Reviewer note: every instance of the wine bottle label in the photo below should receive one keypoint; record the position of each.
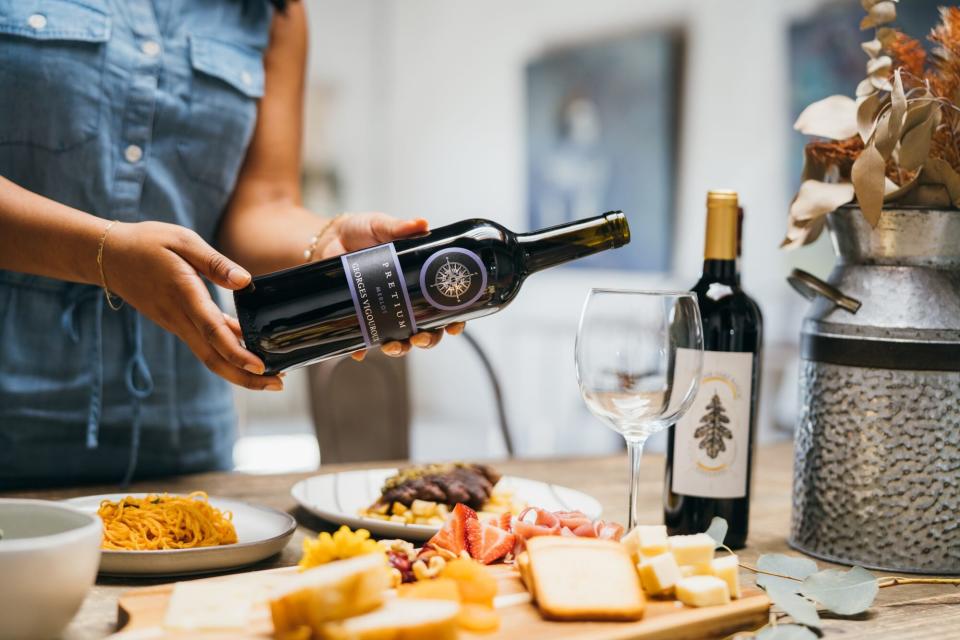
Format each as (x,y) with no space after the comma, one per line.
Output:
(711,441)
(452,279)
(380,295)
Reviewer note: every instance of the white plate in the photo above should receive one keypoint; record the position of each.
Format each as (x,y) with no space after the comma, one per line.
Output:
(339,497)
(261,532)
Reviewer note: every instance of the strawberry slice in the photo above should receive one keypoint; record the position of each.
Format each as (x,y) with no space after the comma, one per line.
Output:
(475,538)
(453,535)
(505,521)
(488,543)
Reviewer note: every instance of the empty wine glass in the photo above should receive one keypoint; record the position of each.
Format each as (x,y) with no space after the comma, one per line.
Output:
(639,356)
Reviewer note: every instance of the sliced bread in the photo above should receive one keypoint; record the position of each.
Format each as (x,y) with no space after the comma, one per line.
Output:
(584,579)
(399,619)
(330,592)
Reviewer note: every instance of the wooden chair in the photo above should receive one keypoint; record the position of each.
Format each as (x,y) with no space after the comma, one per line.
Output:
(361,411)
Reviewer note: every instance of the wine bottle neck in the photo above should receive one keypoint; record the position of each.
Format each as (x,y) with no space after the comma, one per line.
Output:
(722,271)
(566,242)
(721,248)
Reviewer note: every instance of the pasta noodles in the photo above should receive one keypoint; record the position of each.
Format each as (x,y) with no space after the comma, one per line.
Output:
(165,522)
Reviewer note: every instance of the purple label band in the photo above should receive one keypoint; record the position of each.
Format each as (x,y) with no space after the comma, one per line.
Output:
(374,275)
(348,272)
(406,294)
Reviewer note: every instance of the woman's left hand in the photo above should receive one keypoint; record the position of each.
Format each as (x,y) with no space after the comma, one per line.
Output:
(361,230)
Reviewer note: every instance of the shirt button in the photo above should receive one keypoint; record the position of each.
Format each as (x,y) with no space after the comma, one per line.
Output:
(151,48)
(246,78)
(133,153)
(37,21)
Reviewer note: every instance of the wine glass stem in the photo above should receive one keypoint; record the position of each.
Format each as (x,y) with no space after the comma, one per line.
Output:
(634,451)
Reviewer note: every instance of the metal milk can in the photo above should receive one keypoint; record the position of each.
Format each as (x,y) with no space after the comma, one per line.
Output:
(877,451)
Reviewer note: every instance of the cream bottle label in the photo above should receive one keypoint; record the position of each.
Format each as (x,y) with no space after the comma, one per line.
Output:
(712,440)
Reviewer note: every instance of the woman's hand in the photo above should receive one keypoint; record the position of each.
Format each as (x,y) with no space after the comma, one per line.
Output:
(362,230)
(157,268)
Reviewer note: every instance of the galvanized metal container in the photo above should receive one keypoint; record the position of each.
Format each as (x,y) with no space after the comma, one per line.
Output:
(877,452)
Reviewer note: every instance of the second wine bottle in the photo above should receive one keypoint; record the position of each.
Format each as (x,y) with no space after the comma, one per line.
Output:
(710,450)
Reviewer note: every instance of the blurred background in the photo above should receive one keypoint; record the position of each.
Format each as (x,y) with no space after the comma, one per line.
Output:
(532,113)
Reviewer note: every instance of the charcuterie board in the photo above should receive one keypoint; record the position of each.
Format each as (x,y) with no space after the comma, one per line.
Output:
(142,613)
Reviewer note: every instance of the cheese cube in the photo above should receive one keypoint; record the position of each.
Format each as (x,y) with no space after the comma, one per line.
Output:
(702,591)
(695,549)
(646,540)
(727,568)
(659,574)
(705,569)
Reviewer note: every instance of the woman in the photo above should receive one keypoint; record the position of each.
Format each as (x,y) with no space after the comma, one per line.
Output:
(135,136)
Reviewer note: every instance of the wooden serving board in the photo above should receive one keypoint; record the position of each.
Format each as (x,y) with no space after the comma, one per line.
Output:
(142,612)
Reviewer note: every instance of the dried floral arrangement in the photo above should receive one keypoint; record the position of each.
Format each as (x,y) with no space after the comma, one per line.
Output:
(897,141)
(797,587)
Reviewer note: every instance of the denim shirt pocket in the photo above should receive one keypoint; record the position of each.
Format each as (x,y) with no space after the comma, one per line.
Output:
(51,70)
(227,81)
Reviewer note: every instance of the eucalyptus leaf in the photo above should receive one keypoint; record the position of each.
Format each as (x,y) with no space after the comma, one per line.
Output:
(872,47)
(917,112)
(867,108)
(865,88)
(879,65)
(886,35)
(868,175)
(815,198)
(786,632)
(880,13)
(718,530)
(898,104)
(791,566)
(879,80)
(939,171)
(834,117)
(885,136)
(893,192)
(915,145)
(844,592)
(794,605)
(802,232)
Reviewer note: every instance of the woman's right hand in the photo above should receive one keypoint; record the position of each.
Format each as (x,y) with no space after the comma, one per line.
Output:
(157,268)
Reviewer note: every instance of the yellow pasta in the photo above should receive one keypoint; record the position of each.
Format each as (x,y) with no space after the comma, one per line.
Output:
(165,522)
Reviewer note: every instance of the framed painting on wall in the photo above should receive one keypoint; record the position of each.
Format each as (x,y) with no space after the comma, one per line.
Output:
(601,136)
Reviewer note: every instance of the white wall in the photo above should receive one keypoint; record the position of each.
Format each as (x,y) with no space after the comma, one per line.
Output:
(429,121)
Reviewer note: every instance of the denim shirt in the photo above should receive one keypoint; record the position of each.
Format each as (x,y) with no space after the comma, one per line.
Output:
(129,110)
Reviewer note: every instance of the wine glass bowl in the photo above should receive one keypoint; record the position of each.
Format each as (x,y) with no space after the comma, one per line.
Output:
(639,356)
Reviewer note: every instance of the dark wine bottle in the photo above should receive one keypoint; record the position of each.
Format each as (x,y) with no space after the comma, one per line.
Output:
(710,450)
(454,273)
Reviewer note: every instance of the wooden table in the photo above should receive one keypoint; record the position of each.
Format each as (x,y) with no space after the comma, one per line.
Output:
(902,612)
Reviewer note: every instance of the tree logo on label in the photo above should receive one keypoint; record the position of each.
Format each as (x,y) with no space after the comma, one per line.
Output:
(453,279)
(712,430)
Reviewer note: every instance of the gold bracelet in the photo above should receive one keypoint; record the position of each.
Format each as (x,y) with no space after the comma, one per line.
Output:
(315,240)
(103,277)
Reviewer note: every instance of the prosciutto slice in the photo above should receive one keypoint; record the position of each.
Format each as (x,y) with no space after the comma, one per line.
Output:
(572,520)
(533,522)
(608,530)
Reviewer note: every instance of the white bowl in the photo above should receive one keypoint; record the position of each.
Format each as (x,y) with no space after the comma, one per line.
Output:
(49,556)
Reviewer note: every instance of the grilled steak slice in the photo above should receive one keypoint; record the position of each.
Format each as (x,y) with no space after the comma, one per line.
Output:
(448,484)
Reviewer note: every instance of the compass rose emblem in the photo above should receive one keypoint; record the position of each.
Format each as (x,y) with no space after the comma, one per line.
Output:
(453,279)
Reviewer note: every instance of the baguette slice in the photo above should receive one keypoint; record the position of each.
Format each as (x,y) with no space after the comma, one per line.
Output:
(523,566)
(330,592)
(399,619)
(584,579)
